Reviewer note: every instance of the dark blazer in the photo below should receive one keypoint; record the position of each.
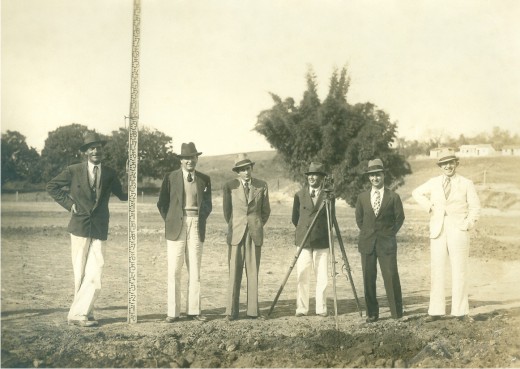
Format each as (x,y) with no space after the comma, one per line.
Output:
(381,229)
(72,187)
(242,214)
(303,213)
(171,202)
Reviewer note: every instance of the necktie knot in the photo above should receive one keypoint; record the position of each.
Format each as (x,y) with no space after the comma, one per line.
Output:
(190,178)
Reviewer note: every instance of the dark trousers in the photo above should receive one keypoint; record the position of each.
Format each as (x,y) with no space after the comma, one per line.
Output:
(388,265)
(245,253)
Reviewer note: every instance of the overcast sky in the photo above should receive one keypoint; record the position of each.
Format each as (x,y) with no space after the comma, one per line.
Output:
(207,67)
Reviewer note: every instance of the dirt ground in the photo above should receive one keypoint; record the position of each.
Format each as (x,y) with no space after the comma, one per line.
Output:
(37,290)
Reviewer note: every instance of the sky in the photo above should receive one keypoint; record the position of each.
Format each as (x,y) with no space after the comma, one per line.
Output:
(437,67)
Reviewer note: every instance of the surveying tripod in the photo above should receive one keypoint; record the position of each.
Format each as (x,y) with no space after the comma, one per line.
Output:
(332,225)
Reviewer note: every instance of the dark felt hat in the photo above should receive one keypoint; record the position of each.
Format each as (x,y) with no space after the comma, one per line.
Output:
(188,149)
(90,139)
(241,161)
(317,168)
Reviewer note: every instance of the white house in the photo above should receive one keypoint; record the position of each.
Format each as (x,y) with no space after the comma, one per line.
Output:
(511,150)
(477,150)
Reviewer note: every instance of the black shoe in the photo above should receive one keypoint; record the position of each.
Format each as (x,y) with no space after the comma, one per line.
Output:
(259,317)
(465,319)
(171,319)
(372,319)
(432,318)
(200,318)
(231,318)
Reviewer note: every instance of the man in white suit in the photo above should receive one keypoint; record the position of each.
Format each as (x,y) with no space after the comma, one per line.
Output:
(454,208)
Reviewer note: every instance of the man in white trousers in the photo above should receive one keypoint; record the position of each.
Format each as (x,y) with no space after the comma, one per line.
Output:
(185,204)
(84,189)
(454,208)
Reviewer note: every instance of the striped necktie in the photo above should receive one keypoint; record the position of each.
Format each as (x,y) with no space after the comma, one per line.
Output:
(447,186)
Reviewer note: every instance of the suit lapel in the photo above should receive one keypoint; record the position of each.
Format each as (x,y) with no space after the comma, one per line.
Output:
(85,183)
(200,189)
(178,183)
(253,191)
(385,202)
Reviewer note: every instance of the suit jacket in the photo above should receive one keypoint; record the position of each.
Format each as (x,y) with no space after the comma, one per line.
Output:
(304,212)
(171,202)
(243,214)
(72,186)
(462,206)
(380,230)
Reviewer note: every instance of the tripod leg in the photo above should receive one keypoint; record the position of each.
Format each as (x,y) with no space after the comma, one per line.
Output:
(346,264)
(298,252)
(333,261)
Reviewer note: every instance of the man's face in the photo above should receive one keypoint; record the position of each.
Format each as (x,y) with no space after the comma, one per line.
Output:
(315,180)
(95,153)
(377,179)
(449,168)
(189,163)
(244,173)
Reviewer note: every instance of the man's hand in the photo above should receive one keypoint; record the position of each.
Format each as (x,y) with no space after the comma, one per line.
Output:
(73,209)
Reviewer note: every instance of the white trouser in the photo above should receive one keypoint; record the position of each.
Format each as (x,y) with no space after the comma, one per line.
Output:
(187,247)
(87,264)
(452,243)
(308,260)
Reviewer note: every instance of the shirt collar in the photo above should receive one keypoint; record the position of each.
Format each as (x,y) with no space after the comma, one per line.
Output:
(185,174)
(92,165)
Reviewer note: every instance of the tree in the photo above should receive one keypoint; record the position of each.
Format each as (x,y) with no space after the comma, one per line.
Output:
(19,161)
(155,153)
(342,136)
(62,149)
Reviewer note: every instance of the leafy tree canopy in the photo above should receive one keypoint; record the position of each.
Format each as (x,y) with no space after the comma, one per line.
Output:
(342,136)
(19,161)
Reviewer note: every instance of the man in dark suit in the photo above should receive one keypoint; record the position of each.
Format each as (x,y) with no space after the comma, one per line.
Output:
(246,210)
(315,252)
(185,204)
(379,216)
(84,190)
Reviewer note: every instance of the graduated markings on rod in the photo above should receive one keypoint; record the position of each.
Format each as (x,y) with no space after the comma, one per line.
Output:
(132,168)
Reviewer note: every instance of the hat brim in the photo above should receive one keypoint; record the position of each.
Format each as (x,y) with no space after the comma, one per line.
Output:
(189,156)
(84,147)
(322,173)
(375,171)
(235,168)
(447,160)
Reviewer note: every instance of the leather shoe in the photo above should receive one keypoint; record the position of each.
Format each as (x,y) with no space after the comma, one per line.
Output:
(323,315)
(299,315)
(465,319)
(230,318)
(82,322)
(259,317)
(372,319)
(171,319)
(432,318)
(200,318)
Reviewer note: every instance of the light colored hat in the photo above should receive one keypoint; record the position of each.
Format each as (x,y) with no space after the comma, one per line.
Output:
(446,155)
(375,166)
(188,149)
(316,168)
(90,139)
(241,161)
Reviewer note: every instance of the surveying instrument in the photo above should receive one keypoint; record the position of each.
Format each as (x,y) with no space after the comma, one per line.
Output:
(328,206)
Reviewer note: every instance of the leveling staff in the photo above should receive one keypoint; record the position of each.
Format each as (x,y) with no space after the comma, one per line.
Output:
(89,186)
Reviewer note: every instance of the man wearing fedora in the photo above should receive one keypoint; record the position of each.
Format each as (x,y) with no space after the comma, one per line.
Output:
(315,252)
(379,216)
(246,210)
(454,208)
(84,189)
(185,204)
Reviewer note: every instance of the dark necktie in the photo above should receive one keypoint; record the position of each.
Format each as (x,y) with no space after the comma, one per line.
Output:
(190,178)
(313,193)
(94,182)
(447,186)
